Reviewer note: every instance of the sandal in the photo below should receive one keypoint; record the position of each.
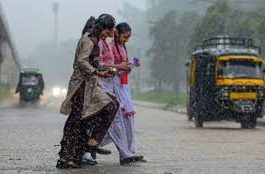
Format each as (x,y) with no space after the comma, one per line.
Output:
(127,160)
(98,150)
(63,164)
(140,159)
(133,159)
(88,162)
(72,165)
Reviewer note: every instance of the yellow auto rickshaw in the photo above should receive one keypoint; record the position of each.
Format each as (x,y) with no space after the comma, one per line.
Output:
(225,80)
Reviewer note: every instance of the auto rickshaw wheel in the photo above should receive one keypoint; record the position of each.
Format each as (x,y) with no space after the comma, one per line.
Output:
(189,113)
(249,123)
(198,122)
(22,103)
(198,117)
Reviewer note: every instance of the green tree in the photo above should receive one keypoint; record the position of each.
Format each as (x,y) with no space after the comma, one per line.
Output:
(168,53)
(161,51)
(223,18)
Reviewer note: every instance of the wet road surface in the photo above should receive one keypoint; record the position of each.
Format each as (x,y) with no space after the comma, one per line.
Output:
(29,140)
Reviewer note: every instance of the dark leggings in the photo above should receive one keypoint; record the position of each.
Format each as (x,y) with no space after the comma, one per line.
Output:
(77,131)
(98,124)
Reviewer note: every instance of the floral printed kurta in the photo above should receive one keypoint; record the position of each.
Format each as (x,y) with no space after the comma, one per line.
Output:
(94,97)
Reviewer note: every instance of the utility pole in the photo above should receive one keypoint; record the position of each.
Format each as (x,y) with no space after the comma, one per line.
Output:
(55,9)
(1,61)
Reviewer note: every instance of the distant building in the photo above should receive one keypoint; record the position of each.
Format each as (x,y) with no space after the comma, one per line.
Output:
(9,63)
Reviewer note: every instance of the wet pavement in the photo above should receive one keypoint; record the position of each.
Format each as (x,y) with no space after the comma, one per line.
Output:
(29,142)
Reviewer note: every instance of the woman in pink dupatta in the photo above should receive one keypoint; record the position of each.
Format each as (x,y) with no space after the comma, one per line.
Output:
(122,88)
(117,132)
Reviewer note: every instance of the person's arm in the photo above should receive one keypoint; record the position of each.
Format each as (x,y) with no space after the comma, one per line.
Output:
(119,66)
(82,61)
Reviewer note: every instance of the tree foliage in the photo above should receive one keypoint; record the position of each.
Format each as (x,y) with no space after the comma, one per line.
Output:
(176,27)
(174,36)
(170,38)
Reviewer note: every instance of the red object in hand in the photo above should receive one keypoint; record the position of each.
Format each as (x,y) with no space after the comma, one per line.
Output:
(124,79)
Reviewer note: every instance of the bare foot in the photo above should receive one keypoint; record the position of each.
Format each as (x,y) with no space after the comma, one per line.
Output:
(92,142)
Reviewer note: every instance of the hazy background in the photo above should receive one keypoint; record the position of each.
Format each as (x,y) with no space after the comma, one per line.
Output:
(32,28)
(164,35)
(32,22)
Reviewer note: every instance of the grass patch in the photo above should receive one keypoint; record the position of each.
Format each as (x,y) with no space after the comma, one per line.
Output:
(167,98)
(4,92)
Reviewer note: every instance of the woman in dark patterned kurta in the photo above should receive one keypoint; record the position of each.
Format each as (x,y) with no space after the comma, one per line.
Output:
(91,111)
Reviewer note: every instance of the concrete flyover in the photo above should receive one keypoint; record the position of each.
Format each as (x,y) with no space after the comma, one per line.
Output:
(9,62)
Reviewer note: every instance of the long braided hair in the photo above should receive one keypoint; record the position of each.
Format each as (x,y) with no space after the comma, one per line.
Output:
(121,28)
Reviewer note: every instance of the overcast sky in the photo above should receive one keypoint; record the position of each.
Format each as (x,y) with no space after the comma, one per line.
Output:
(31,21)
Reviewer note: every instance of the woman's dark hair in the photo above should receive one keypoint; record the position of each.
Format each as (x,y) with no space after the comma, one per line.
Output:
(89,25)
(95,26)
(104,21)
(121,28)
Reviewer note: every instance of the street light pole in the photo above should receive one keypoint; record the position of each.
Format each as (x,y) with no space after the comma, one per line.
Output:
(1,61)
(55,9)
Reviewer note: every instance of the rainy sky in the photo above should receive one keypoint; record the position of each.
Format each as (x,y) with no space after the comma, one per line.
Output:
(31,21)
